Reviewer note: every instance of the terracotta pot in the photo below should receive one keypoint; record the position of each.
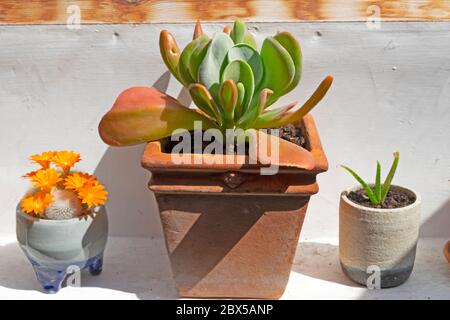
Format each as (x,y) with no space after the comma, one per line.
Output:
(447,251)
(231,232)
(372,239)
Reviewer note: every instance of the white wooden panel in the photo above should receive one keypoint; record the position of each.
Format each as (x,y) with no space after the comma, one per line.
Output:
(391,92)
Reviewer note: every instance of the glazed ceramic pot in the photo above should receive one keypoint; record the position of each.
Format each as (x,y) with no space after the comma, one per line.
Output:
(384,240)
(56,248)
(230,231)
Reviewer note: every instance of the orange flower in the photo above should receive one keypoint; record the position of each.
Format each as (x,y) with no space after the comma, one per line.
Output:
(30,174)
(43,159)
(36,203)
(45,179)
(66,159)
(78,180)
(93,195)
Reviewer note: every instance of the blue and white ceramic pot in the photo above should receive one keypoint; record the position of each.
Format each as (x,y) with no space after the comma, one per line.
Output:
(56,248)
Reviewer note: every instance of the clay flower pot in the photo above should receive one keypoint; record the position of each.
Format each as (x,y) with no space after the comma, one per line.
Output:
(230,231)
(384,240)
(447,251)
(58,247)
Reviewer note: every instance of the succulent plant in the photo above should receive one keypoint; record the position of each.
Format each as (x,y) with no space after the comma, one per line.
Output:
(65,205)
(230,81)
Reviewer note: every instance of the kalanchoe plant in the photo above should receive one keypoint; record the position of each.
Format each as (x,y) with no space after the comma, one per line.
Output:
(229,80)
(378,194)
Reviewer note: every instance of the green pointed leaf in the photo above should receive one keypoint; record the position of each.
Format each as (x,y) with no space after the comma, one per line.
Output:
(292,46)
(266,119)
(252,114)
(238,31)
(210,68)
(279,69)
(390,177)
(378,182)
(203,99)
(240,71)
(184,65)
(366,187)
(246,53)
(143,114)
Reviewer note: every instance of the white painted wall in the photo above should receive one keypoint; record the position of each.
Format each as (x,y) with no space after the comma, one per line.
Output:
(391,92)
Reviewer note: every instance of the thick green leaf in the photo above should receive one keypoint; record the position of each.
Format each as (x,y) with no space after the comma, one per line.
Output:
(240,71)
(238,112)
(250,116)
(390,176)
(170,53)
(210,68)
(378,182)
(301,112)
(196,59)
(274,114)
(279,69)
(246,53)
(198,31)
(292,46)
(143,114)
(238,31)
(249,40)
(228,96)
(366,187)
(203,99)
(185,59)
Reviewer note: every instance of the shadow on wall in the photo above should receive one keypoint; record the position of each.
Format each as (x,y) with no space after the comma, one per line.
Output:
(131,207)
(438,223)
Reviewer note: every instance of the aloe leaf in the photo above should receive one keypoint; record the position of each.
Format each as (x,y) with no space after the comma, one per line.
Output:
(238,31)
(203,99)
(378,182)
(184,65)
(279,69)
(366,187)
(390,176)
(300,113)
(198,31)
(170,53)
(292,46)
(209,70)
(142,114)
(240,71)
(228,96)
(239,105)
(246,53)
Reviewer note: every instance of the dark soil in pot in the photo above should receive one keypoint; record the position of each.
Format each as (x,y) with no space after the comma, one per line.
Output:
(289,133)
(394,199)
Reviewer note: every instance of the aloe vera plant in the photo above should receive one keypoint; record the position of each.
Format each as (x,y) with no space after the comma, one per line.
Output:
(232,84)
(378,194)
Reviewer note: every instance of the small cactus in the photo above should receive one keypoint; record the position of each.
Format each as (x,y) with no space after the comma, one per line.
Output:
(65,205)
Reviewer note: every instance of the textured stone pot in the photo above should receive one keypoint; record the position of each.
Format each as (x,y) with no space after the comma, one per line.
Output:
(231,232)
(384,238)
(58,247)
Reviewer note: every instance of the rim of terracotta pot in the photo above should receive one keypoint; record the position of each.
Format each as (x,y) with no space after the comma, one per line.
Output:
(54,221)
(155,159)
(416,203)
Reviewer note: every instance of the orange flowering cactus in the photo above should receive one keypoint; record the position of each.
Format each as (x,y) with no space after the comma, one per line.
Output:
(58,191)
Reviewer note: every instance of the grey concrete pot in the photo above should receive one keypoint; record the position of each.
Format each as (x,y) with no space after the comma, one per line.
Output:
(378,241)
(58,247)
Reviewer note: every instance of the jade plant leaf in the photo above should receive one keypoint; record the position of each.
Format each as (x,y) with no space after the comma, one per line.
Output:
(249,40)
(209,70)
(184,63)
(250,116)
(238,32)
(276,113)
(196,59)
(203,99)
(279,78)
(228,96)
(239,105)
(142,114)
(170,53)
(292,46)
(198,31)
(246,53)
(240,72)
